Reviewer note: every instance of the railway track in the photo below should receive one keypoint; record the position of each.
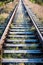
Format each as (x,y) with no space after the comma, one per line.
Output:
(22,46)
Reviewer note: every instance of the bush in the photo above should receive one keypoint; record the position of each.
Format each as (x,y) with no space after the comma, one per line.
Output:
(37,1)
(1,3)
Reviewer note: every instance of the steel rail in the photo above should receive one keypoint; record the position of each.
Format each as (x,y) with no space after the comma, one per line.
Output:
(36,51)
(34,20)
(7,29)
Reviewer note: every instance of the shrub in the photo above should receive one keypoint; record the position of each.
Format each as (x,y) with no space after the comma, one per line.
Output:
(37,1)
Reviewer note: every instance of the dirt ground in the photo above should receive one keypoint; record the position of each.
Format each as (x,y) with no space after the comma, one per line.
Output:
(37,9)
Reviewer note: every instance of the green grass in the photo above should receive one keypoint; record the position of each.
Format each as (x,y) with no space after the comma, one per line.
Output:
(3,2)
(32,28)
(16,55)
(2,19)
(8,1)
(37,1)
(32,1)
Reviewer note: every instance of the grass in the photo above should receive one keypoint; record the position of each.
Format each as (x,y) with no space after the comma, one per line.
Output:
(33,29)
(2,19)
(1,4)
(6,9)
(21,63)
(41,19)
(5,2)
(32,1)
(40,2)
(24,48)
(16,55)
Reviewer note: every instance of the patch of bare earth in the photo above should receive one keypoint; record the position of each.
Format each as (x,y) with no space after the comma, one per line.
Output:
(37,9)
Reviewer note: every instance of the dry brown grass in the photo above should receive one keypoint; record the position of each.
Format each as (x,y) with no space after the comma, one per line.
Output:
(4,15)
(37,9)
(6,10)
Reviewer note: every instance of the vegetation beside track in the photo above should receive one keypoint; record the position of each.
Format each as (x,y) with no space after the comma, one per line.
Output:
(37,1)
(3,2)
(5,11)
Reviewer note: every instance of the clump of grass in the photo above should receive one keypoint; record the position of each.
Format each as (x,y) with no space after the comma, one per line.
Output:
(37,1)
(21,64)
(2,19)
(17,48)
(19,55)
(12,25)
(32,1)
(41,19)
(3,16)
(1,4)
(33,28)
